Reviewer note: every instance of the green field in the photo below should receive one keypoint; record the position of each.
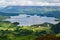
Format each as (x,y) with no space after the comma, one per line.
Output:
(10,31)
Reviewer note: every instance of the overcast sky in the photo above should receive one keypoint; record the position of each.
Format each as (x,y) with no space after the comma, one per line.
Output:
(30,2)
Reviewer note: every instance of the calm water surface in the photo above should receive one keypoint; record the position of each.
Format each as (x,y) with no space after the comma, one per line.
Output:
(27,20)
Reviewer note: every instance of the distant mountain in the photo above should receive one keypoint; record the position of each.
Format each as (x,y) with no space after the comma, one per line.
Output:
(11,9)
(8,14)
(32,10)
(29,9)
(53,14)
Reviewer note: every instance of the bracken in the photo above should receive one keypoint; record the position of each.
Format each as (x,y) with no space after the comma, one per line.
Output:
(48,37)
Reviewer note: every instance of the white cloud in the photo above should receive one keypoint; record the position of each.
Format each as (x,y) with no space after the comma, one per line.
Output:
(27,3)
(51,1)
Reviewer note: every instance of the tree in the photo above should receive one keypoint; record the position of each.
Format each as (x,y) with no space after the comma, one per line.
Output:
(40,33)
(16,23)
(56,28)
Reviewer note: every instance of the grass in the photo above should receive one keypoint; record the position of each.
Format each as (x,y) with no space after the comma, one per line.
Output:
(58,35)
(27,27)
(29,37)
(12,29)
(36,28)
(3,17)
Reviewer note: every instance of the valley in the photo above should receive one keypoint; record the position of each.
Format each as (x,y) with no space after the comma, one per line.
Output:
(29,22)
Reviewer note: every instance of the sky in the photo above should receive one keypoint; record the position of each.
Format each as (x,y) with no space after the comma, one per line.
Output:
(30,2)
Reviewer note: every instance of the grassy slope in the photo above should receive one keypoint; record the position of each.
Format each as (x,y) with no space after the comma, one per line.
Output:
(3,17)
(4,26)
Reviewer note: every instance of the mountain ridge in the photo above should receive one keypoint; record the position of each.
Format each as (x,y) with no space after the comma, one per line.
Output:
(53,11)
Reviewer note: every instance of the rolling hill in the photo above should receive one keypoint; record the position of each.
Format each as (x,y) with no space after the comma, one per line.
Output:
(50,11)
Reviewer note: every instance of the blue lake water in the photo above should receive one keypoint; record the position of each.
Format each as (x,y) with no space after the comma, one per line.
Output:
(27,20)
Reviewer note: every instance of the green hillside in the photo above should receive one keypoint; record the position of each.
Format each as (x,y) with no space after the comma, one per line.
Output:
(10,31)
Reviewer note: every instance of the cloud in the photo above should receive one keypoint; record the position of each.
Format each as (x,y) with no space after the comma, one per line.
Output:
(53,1)
(50,1)
(29,2)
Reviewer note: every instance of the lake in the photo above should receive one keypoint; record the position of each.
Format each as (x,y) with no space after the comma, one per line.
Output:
(27,20)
